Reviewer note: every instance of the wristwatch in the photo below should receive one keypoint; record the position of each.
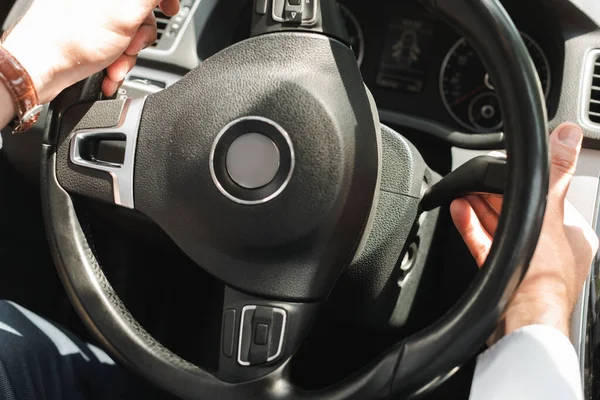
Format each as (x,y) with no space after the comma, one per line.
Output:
(20,85)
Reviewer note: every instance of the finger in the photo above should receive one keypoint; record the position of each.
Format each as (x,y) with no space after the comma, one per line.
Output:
(169,7)
(486,214)
(109,87)
(495,201)
(118,70)
(150,19)
(565,145)
(144,37)
(476,238)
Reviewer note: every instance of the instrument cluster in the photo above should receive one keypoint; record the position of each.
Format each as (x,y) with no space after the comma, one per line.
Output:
(416,64)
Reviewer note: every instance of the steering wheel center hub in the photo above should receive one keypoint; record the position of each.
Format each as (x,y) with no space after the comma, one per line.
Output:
(252,160)
(265,174)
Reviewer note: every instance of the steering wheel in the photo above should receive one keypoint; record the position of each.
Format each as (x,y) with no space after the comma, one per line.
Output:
(265,166)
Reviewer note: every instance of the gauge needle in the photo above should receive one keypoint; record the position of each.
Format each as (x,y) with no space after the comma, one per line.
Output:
(469,95)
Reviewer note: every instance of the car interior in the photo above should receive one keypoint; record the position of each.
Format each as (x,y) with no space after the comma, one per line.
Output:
(234,274)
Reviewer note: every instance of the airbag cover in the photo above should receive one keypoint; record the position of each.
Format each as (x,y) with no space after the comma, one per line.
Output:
(295,245)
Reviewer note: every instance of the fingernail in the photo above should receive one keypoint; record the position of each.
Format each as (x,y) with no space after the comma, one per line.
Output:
(122,74)
(570,135)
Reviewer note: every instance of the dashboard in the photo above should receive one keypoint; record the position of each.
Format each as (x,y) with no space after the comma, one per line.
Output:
(417,65)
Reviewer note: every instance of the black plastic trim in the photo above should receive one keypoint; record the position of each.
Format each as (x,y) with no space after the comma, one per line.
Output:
(483,174)
(472,141)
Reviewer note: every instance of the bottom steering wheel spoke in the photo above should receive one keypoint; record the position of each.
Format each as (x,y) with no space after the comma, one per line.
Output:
(259,335)
(96,150)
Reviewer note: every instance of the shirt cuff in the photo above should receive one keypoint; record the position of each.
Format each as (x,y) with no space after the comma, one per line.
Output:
(534,362)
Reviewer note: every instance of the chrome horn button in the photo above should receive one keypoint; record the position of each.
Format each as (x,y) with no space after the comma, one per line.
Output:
(252,160)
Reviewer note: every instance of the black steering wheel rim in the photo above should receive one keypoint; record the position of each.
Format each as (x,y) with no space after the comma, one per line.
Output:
(413,365)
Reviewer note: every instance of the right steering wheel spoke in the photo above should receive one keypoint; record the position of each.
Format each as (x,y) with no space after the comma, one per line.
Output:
(96,155)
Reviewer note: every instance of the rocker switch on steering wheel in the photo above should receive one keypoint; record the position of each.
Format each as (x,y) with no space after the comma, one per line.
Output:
(262,332)
(302,12)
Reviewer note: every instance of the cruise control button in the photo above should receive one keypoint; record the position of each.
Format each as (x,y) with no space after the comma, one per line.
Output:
(278,7)
(293,16)
(228,332)
(261,7)
(294,10)
(309,14)
(261,334)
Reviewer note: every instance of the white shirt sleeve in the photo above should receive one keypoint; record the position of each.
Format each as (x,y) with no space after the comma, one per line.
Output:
(534,362)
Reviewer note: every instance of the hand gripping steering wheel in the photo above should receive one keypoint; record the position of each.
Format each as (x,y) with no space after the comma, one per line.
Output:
(264,165)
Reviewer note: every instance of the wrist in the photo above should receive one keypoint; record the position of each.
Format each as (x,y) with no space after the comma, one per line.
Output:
(539,310)
(8,105)
(38,65)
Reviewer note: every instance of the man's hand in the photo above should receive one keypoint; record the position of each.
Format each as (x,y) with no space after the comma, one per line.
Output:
(564,252)
(60,42)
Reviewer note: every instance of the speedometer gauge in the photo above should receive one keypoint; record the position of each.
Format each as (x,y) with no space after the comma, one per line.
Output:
(468,92)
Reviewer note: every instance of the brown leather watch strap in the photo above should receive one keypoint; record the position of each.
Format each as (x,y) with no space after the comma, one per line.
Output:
(21,87)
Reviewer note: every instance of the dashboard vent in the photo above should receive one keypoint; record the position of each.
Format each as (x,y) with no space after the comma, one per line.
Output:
(594,110)
(168,27)
(162,22)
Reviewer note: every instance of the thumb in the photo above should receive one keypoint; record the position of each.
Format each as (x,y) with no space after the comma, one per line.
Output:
(565,145)
(169,7)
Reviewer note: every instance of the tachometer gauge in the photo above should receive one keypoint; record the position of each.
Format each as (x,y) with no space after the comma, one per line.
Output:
(468,92)
(355,33)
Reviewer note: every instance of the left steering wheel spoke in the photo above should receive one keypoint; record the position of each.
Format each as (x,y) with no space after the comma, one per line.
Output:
(96,158)
(259,335)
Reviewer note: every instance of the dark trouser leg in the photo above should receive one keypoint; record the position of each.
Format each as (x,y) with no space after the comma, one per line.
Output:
(41,361)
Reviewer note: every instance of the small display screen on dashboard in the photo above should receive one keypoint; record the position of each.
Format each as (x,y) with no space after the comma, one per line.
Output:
(406,54)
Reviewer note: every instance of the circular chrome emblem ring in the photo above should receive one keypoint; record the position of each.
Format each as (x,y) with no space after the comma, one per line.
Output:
(219,160)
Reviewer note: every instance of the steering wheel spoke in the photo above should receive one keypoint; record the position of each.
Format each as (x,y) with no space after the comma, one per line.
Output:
(96,158)
(258,335)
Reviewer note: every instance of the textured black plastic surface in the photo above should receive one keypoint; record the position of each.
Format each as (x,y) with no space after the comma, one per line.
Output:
(295,246)
(87,90)
(368,291)
(403,169)
(76,179)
